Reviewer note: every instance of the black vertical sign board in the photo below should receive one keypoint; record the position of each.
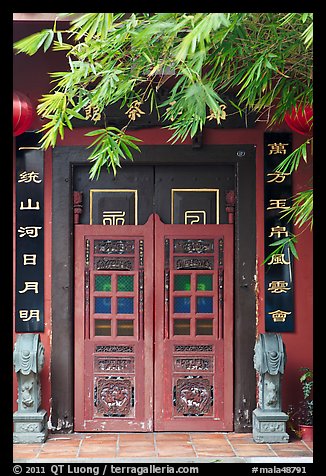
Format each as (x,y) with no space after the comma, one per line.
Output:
(29,235)
(279,292)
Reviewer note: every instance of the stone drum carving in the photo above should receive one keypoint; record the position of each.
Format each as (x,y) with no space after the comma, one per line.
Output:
(269,421)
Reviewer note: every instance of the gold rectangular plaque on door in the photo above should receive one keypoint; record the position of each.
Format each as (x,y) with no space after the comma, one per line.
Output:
(113,207)
(191,206)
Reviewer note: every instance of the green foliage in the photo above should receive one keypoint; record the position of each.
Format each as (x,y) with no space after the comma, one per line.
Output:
(301,211)
(265,58)
(281,246)
(110,145)
(303,413)
(306,380)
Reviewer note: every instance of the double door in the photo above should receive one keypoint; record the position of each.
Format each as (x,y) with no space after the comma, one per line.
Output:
(154,317)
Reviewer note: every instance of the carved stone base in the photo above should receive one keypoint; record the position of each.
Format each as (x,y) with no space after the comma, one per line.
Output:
(269,427)
(30,427)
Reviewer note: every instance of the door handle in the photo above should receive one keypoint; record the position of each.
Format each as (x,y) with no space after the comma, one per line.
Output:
(166,303)
(141,305)
(166,288)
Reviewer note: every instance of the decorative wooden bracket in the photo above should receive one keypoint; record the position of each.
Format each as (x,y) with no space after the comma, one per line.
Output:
(230,199)
(78,206)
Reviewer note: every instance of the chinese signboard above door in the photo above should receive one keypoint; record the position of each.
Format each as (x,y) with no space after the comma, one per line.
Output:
(279,309)
(29,235)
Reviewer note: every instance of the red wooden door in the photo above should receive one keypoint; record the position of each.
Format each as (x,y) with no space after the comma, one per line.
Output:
(193,327)
(130,279)
(114,327)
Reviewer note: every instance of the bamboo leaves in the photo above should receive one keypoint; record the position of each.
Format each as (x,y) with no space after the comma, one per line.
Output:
(266,58)
(33,43)
(110,145)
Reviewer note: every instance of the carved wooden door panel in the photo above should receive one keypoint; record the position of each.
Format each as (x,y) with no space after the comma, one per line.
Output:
(193,327)
(114,327)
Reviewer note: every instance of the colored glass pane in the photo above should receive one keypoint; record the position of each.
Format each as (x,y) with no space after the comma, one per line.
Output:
(125,305)
(181,305)
(182,282)
(181,327)
(125,327)
(102,327)
(204,327)
(204,304)
(125,283)
(102,305)
(204,282)
(102,283)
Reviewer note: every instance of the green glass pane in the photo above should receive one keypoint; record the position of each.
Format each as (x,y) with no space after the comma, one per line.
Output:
(102,283)
(204,282)
(182,282)
(125,283)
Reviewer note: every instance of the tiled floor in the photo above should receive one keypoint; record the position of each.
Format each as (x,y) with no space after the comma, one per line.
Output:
(78,446)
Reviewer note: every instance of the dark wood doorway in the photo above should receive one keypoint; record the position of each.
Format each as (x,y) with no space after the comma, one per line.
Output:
(154,301)
(66,160)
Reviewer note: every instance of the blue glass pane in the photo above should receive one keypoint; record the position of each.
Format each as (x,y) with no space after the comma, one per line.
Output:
(125,305)
(182,304)
(205,304)
(102,305)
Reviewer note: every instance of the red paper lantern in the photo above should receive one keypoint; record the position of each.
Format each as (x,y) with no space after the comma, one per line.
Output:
(22,113)
(300,119)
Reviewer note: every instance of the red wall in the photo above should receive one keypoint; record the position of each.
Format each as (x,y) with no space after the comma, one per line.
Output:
(31,78)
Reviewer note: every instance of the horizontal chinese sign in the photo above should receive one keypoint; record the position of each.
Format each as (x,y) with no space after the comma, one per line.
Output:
(279,308)
(29,236)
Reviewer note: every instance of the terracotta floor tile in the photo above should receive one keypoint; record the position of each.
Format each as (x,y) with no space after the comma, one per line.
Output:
(207,437)
(100,436)
(253,450)
(65,436)
(58,449)
(175,450)
(136,436)
(27,446)
(98,448)
(57,455)
(172,438)
(136,443)
(213,449)
(244,439)
(216,452)
(310,444)
(22,454)
(100,453)
(62,443)
(290,453)
(148,445)
(86,454)
(286,446)
(169,444)
(129,452)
